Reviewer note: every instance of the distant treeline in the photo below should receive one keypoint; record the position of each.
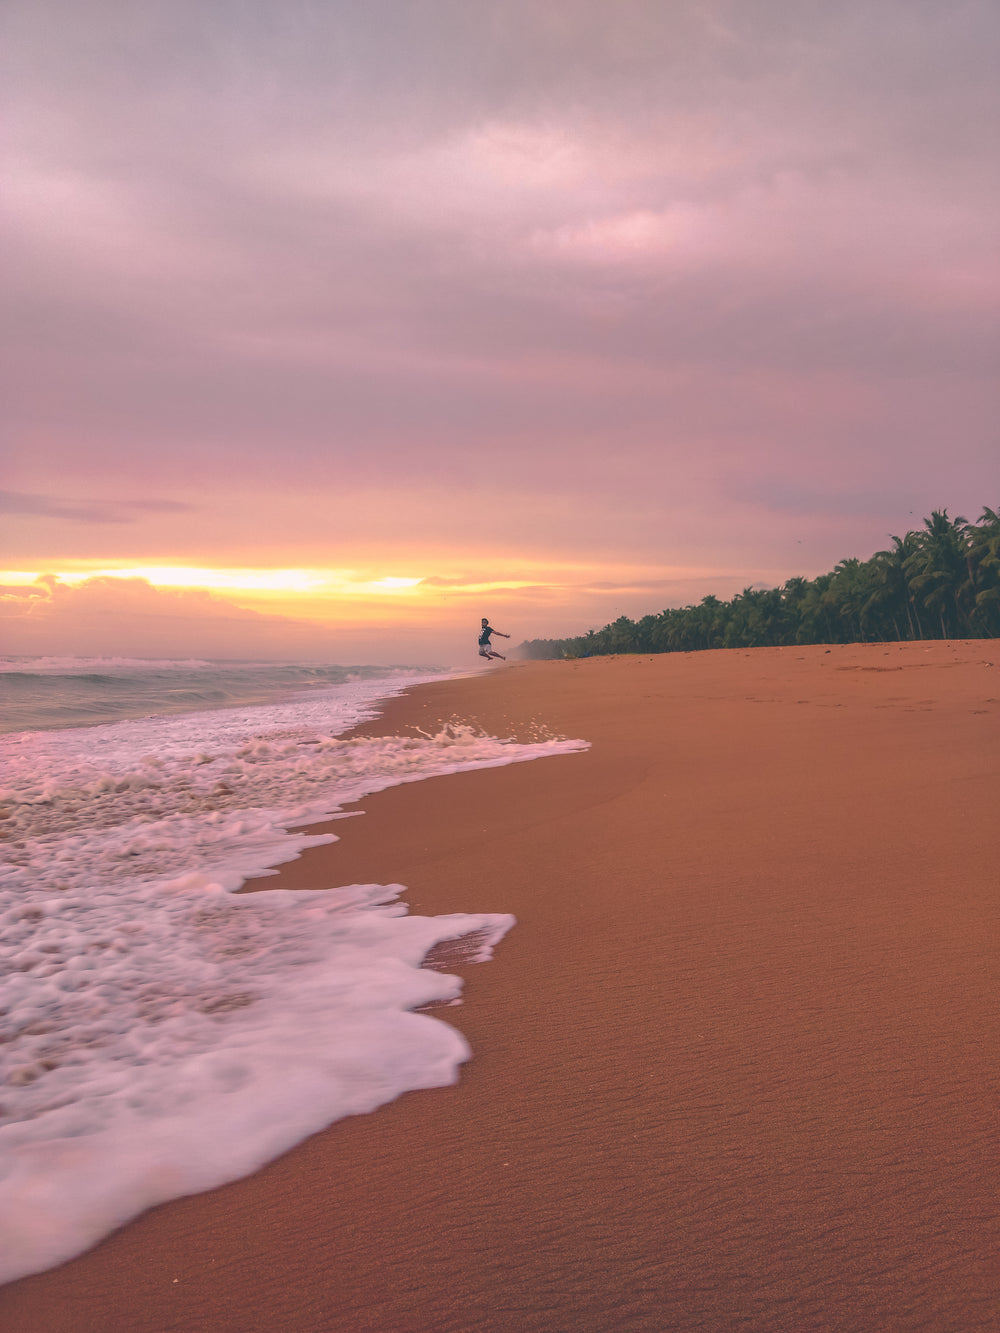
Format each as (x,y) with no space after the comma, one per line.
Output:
(941,582)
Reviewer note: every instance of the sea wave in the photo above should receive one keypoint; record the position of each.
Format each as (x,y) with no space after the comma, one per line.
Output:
(45,693)
(159,1034)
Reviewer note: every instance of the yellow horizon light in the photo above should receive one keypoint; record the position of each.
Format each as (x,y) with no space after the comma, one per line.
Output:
(339,582)
(221,580)
(17,578)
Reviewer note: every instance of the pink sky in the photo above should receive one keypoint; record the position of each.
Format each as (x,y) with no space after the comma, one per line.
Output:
(553,312)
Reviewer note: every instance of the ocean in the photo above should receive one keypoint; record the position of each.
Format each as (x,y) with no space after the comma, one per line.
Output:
(160,1034)
(49,692)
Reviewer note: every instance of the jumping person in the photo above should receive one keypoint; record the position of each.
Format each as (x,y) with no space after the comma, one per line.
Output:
(485,650)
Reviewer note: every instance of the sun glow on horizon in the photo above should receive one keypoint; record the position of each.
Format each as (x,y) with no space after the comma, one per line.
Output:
(322,587)
(425,593)
(321,596)
(338,582)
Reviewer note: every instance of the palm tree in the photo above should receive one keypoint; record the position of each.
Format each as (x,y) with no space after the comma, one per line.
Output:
(938,568)
(848,595)
(893,589)
(983,552)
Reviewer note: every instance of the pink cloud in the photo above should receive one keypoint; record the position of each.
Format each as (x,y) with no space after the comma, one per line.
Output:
(680,285)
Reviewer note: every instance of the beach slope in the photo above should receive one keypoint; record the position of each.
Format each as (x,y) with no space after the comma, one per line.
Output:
(736,1067)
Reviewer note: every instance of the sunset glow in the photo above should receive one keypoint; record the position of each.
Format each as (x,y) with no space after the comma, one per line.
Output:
(586,316)
(344,582)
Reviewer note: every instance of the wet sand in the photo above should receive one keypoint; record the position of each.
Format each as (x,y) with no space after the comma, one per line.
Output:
(736,1068)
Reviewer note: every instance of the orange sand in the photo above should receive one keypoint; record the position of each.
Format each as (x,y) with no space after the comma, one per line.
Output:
(736,1068)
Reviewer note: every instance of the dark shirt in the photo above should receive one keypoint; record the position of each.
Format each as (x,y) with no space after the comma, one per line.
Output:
(484,638)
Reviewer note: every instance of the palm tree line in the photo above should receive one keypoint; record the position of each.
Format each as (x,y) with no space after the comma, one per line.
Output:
(939,582)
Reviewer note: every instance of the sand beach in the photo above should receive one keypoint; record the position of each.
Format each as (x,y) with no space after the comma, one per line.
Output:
(737,1067)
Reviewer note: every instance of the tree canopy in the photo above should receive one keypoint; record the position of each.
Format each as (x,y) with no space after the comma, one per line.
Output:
(939,582)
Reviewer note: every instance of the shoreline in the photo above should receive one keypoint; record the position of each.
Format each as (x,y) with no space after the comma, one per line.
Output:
(734,1066)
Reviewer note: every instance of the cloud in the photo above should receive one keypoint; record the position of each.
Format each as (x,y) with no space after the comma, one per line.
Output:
(118,511)
(505,282)
(20,590)
(130,616)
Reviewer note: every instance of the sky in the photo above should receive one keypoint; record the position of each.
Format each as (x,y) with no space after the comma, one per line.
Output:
(331,326)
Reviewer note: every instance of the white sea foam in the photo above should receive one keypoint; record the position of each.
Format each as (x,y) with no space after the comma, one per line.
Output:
(159,1035)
